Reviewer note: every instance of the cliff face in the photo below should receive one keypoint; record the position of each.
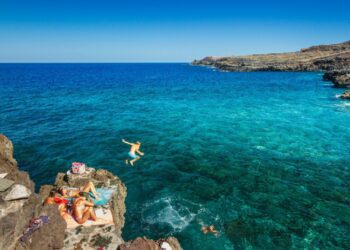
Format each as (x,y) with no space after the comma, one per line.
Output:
(334,59)
(19,204)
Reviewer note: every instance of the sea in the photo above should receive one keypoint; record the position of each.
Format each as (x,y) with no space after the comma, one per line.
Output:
(262,156)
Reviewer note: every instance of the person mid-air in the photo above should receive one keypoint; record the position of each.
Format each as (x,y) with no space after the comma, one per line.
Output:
(135,148)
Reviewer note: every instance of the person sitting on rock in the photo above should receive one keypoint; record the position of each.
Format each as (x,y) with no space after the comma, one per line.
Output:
(135,148)
(83,210)
(77,192)
(210,229)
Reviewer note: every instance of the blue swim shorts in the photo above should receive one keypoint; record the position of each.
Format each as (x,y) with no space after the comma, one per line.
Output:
(132,155)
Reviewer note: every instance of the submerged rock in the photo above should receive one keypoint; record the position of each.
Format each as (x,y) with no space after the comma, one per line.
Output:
(345,95)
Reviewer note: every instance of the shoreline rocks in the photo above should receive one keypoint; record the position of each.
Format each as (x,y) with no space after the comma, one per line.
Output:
(345,95)
(19,204)
(340,78)
(333,59)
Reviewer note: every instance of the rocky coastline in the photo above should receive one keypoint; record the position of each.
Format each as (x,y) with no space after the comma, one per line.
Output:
(19,204)
(332,59)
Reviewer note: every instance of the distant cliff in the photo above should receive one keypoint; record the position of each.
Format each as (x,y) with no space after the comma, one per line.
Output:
(333,59)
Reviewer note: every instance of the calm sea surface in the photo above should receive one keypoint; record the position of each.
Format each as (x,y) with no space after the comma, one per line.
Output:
(265,157)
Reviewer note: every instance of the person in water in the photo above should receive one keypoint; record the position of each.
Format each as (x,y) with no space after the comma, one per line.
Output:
(135,148)
(76,192)
(83,210)
(210,229)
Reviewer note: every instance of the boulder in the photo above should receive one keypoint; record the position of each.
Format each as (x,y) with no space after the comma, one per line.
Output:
(340,78)
(50,235)
(5,184)
(15,217)
(345,95)
(6,149)
(9,165)
(17,192)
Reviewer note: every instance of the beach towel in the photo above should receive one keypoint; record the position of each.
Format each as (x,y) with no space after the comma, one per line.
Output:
(104,195)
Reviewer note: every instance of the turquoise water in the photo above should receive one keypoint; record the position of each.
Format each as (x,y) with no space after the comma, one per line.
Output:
(262,156)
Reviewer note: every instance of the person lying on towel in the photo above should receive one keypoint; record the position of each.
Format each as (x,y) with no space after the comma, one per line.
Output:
(73,192)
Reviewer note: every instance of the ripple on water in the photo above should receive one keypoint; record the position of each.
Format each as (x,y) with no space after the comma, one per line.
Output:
(263,156)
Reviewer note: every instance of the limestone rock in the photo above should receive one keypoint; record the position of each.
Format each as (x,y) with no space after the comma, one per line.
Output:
(17,192)
(340,78)
(9,165)
(6,148)
(5,184)
(16,217)
(346,95)
(16,214)
(50,235)
(334,59)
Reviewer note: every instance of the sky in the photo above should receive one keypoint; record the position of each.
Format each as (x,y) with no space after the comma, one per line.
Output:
(164,30)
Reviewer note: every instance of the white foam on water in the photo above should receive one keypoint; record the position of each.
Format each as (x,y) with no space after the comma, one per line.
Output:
(178,218)
(343,105)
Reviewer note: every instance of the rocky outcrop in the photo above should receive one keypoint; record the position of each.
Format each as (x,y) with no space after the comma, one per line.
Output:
(147,244)
(19,204)
(340,78)
(334,59)
(90,237)
(345,95)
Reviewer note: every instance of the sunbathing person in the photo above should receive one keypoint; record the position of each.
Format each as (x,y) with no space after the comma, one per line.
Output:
(135,148)
(210,229)
(83,210)
(55,198)
(76,192)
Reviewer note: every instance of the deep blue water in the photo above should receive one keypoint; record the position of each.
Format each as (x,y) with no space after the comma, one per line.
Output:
(262,156)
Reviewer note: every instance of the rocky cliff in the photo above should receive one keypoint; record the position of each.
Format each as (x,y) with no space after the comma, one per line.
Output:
(19,204)
(333,59)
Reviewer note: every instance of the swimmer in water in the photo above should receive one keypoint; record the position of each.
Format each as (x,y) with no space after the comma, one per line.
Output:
(135,148)
(210,229)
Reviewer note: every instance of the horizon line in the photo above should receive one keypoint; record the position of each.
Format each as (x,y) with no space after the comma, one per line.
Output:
(136,62)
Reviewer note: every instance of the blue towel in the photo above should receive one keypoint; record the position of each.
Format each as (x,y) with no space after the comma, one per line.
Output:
(104,195)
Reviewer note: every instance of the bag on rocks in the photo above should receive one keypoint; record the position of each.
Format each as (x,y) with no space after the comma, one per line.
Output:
(78,168)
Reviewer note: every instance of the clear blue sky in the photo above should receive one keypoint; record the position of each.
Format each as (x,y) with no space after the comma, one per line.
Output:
(164,30)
